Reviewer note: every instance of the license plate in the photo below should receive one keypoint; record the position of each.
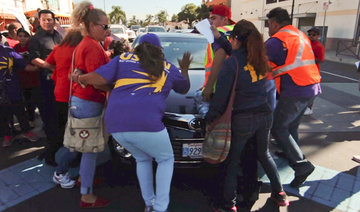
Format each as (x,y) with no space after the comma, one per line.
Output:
(193,150)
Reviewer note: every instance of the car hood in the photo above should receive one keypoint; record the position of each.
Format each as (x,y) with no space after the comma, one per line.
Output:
(184,104)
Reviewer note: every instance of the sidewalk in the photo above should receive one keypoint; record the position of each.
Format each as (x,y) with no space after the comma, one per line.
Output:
(330,55)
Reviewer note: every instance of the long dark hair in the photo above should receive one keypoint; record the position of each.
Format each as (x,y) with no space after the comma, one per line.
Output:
(151,59)
(251,39)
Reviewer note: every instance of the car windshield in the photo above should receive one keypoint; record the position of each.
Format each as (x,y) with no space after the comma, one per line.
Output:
(117,30)
(174,48)
(156,29)
(135,27)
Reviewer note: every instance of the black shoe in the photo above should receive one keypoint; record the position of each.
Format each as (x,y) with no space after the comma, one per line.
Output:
(300,179)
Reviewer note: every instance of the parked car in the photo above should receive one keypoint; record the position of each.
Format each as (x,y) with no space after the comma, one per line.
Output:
(140,31)
(154,28)
(119,31)
(131,35)
(185,127)
(135,28)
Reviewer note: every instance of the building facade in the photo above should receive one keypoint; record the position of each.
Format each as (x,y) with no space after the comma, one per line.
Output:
(337,19)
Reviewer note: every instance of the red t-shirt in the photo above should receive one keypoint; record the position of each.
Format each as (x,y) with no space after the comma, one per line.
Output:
(28,79)
(61,57)
(319,51)
(89,56)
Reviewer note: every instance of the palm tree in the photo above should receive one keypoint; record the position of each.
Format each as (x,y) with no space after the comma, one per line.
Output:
(161,17)
(117,15)
(148,19)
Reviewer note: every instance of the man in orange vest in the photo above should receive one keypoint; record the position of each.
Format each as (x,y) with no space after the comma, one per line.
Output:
(297,80)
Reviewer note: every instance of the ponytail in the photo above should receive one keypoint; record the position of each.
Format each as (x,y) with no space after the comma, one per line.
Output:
(251,39)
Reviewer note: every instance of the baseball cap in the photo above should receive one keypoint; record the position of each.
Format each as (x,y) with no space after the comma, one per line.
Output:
(314,29)
(150,38)
(222,10)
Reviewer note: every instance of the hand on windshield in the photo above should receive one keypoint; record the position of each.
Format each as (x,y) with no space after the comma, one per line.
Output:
(185,62)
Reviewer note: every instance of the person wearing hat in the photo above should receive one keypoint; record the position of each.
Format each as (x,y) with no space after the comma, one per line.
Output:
(220,17)
(143,77)
(319,52)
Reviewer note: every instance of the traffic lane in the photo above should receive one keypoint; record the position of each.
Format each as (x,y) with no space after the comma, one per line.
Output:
(338,72)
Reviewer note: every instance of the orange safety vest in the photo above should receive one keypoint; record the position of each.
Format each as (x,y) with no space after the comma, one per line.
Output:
(209,57)
(300,60)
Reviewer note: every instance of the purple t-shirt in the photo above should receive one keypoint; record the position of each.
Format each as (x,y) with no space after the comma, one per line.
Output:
(277,54)
(10,64)
(136,104)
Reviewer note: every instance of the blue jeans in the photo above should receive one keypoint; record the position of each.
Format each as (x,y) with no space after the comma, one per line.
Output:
(245,126)
(145,146)
(81,108)
(287,117)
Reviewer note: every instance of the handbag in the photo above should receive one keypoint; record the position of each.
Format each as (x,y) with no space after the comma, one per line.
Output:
(87,134)
(217,141)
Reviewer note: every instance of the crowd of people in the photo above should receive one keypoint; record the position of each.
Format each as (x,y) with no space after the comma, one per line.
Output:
(277,83)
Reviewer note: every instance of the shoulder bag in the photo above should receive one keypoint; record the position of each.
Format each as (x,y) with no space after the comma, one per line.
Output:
(86,134)
(217,141)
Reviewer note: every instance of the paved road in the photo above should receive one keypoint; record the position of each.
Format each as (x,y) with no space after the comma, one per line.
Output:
(328,138)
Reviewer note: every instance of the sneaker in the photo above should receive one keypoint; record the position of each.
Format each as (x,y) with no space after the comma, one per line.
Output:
(148,209)
(30,136)
(64,180)
(356,158)
(280,198)
(300,179)
(7,141)
(308,111)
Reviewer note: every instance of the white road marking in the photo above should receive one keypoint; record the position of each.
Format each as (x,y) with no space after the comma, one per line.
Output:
(337,75)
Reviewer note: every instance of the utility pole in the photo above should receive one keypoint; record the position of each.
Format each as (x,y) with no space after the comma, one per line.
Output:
(326,6)
(292,11)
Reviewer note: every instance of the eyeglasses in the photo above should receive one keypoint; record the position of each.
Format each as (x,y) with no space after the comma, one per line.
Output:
(312,34)
(104,26)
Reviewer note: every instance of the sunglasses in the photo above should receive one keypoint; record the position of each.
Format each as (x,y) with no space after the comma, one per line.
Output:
(312,34)
(104,26)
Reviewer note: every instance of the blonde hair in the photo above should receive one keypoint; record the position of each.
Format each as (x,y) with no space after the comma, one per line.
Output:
(84,13)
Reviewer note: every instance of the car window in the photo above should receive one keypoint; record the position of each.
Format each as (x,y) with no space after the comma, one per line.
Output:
(174,47)
(117,30)
(156,29)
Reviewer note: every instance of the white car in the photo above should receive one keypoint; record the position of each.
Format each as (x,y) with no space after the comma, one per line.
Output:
(119,31)
(154,28)
(131,35)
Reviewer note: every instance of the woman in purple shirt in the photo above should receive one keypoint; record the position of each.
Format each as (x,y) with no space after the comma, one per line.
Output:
(133,116)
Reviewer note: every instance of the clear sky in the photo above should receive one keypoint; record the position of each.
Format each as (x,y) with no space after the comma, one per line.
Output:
(141,8)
